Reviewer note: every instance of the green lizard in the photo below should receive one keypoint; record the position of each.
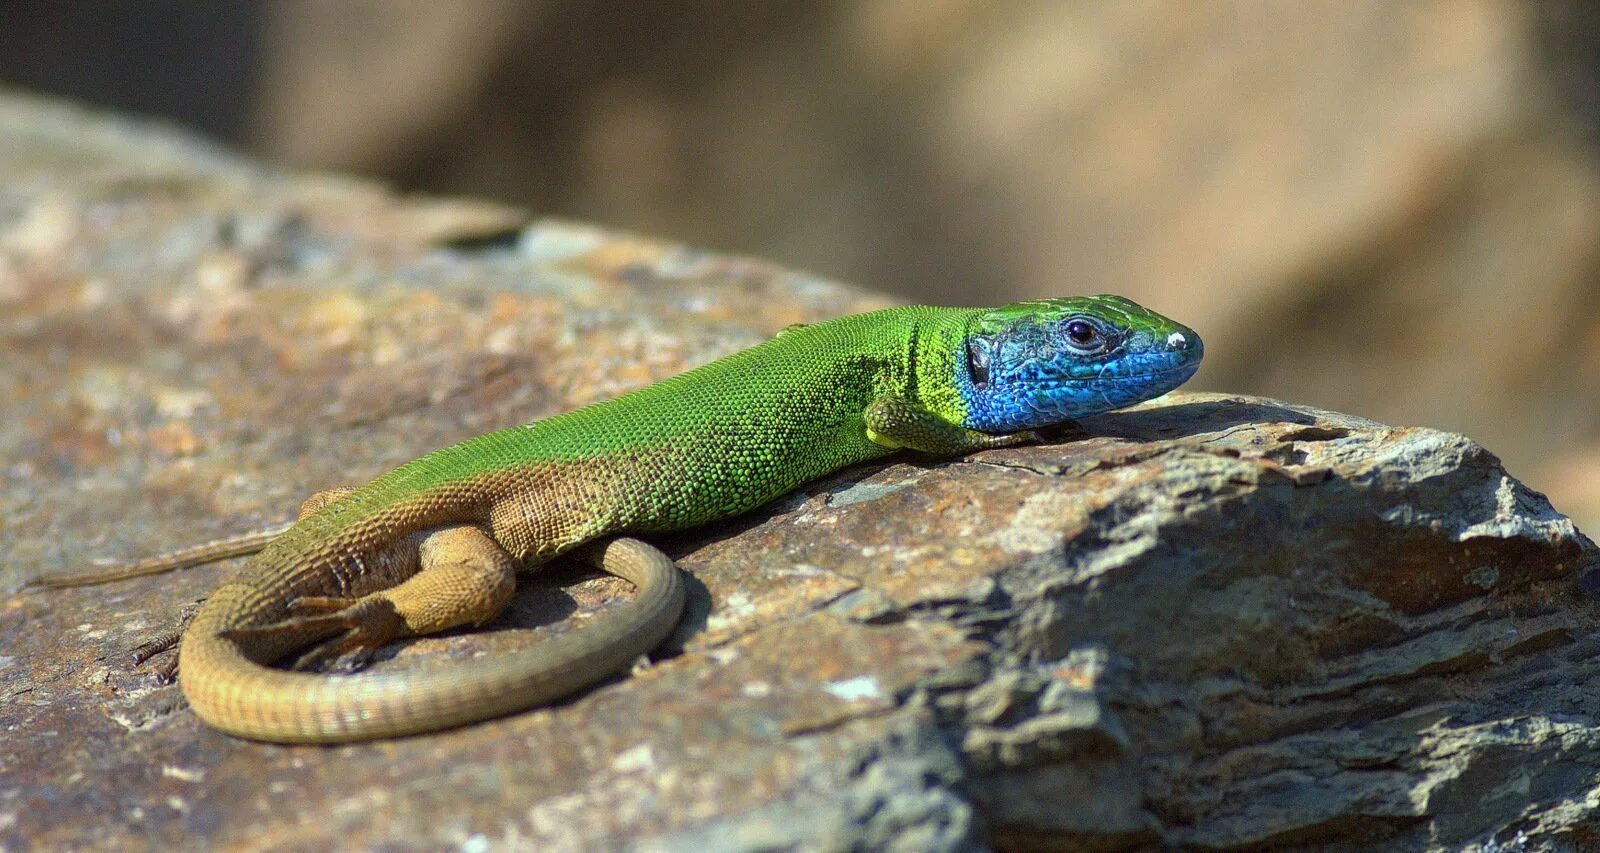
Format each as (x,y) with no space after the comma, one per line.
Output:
(436,543)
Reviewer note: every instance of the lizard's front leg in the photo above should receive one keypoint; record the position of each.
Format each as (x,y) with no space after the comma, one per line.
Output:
(465,578)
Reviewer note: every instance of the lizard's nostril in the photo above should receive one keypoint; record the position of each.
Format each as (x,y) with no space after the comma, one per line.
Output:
(1178,341)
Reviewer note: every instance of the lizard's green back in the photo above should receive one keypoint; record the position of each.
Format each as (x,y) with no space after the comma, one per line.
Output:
(703,445)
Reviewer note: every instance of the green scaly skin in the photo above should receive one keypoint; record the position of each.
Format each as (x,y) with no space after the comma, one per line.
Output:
(432,544)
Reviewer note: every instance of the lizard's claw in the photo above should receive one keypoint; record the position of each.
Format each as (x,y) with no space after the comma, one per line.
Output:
(321,605)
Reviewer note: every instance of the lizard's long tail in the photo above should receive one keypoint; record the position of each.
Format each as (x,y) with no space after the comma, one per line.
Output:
(234,693)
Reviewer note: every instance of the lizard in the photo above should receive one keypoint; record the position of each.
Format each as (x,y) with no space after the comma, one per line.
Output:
(437,543)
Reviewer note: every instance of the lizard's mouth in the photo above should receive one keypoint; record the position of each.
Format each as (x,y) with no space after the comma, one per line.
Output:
(1186,370)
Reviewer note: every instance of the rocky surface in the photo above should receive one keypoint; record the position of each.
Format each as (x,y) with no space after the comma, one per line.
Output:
(1216,622)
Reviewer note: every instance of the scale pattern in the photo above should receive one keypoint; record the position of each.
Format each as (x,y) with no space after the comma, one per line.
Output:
(703,445)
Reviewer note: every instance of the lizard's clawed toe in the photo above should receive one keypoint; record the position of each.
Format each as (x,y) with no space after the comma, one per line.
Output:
(347,653)
(321,605)
(163,645)
(161,650)
(368,624)
(152,647)
(359,627)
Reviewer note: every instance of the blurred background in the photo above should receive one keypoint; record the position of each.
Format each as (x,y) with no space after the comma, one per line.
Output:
(1386,208)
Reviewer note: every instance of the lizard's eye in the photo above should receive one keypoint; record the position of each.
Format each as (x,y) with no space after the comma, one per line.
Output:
(1083,337)
(978,362)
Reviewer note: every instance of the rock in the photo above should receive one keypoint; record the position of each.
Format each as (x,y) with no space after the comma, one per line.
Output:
(1213,621)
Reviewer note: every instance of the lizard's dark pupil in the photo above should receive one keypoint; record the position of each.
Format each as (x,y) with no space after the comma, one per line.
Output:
(1081,332)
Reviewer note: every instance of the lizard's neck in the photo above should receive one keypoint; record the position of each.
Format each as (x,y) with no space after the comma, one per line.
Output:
(939,376)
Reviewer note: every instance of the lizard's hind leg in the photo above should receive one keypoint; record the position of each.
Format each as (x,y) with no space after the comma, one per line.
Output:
(465,578)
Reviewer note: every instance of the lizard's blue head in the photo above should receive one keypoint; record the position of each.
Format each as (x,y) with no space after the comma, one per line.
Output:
(1031,364)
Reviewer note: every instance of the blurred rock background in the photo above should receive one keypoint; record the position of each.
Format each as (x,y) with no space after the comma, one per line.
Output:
(1390,209)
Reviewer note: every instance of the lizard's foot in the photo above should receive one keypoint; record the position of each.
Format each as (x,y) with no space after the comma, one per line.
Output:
(360,627)
(1012,439)
(368,624)
(160,644)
